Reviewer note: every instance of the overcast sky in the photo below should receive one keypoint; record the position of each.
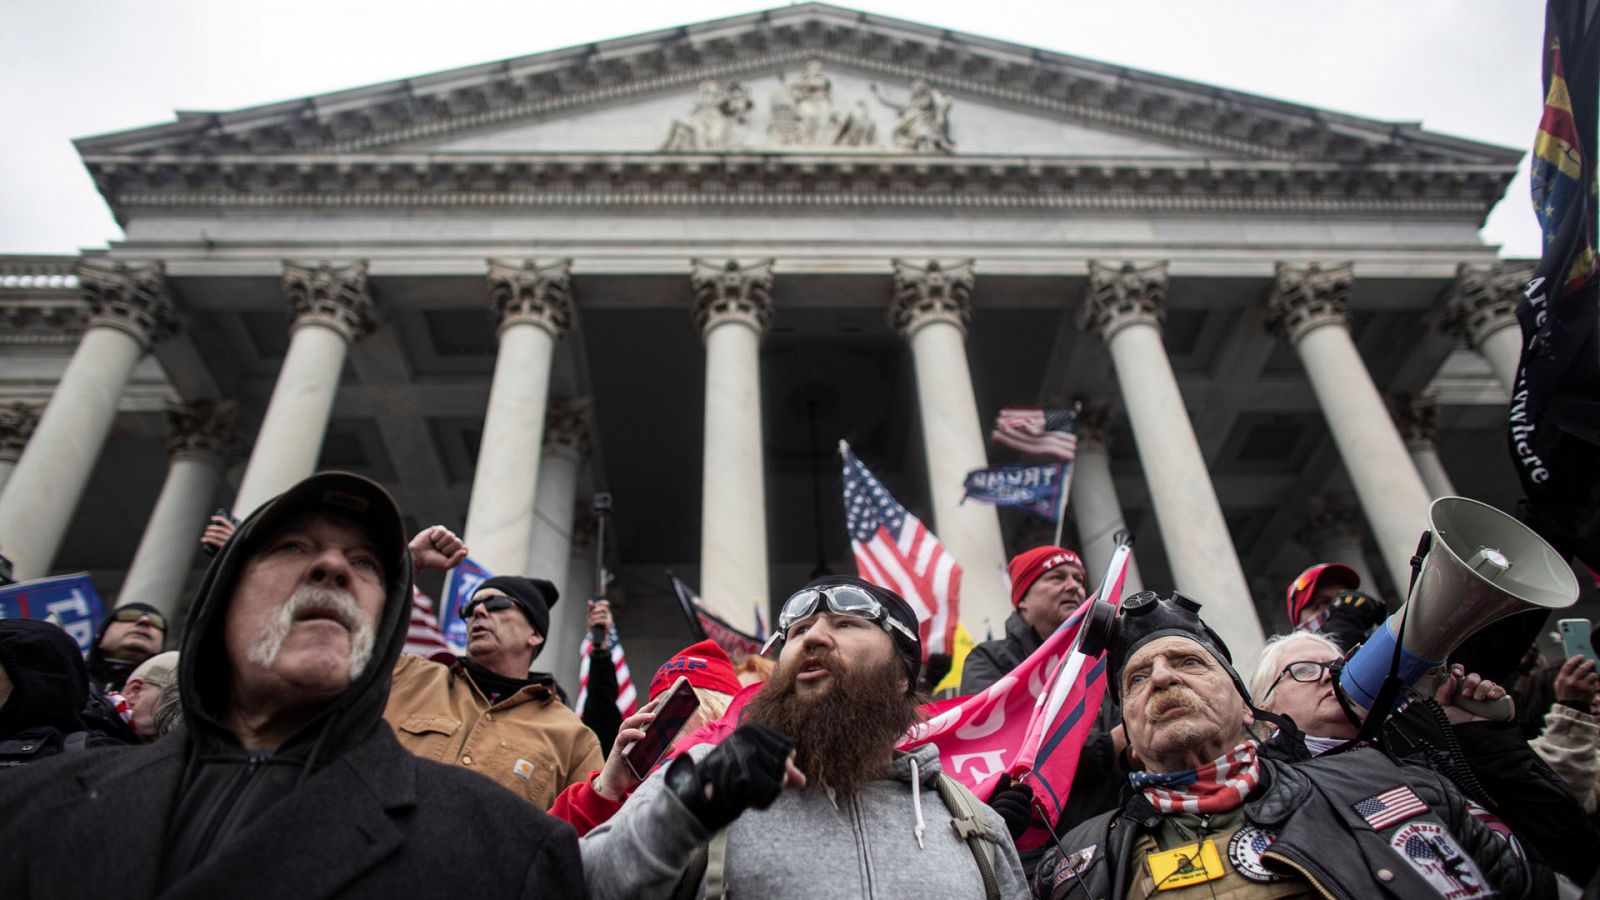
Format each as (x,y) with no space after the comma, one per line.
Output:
(73,68)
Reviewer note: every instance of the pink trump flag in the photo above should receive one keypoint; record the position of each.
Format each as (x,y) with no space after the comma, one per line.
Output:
(1033,722)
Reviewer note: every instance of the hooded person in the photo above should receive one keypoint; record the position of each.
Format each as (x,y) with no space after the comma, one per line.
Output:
(285,781)
(131,634)
(486,711)
(1208,815)
(42,689)
(808,797)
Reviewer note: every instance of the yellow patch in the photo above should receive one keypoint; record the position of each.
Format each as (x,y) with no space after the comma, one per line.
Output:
(1186,865)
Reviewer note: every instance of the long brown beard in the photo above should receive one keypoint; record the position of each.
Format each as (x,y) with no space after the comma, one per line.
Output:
(844,738)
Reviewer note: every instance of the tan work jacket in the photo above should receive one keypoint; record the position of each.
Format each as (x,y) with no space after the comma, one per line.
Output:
(528,742)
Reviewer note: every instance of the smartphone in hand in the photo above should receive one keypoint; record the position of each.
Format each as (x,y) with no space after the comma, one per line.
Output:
(671,716)
(1575,638)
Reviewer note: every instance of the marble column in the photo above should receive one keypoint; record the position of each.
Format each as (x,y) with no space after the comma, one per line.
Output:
(566,443)
(1332,532)
(1123,304)
(1093,499)
(17,421)
(931,308)
(332,310)
(732,310)
(129,310)
(534,304)
(1308,307)
(1481,309)
(1417,418)
(203,441)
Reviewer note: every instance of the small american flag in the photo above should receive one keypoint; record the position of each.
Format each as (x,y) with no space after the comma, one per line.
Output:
(627,695)
(896,551)
(423,637)
(1031,429)
(1390,807)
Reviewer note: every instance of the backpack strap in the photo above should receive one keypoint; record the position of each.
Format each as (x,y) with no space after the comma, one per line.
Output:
(708,863)
(971,827)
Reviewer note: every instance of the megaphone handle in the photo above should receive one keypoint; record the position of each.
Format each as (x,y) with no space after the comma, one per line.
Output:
(1496,710)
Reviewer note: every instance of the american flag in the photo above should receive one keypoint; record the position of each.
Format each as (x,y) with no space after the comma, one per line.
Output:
(1390,807)
(627,695)
(1031,429)
(895,551)
(424,638)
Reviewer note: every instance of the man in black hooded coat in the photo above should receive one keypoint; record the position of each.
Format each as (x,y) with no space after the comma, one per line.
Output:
(42,688)
(295,789)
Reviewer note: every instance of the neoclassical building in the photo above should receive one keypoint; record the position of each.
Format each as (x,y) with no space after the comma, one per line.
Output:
(678,267)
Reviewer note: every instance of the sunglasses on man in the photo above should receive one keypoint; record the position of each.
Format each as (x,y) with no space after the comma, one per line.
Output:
(157,620)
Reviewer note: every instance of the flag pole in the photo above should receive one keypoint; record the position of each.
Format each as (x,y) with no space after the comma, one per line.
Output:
(1061,506)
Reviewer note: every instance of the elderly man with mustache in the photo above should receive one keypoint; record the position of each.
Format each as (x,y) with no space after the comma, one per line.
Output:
(1209,816)
(285,781)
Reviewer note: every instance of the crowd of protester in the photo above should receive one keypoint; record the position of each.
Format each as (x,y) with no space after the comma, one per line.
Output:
(288,748)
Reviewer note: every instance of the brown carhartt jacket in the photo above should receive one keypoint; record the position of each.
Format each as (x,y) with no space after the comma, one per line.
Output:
(529,742)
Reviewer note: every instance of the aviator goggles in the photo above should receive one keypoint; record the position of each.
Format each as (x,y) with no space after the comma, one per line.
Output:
(842,600)
(134,615)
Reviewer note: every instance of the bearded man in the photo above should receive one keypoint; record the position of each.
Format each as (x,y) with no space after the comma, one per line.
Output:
(1210,817)
(859,818)
(286,781)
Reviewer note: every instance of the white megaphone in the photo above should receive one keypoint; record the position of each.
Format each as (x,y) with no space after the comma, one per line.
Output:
(1481,566)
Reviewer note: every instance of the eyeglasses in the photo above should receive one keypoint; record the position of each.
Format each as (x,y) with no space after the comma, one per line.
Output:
(842,600)
(134,615)
(1304,671)
(490,604)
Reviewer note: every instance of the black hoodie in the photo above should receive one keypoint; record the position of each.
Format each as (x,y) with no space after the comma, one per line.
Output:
(225,786)
(48,684)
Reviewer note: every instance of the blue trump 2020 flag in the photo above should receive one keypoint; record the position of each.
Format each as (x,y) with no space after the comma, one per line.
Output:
(70,600)
(459,586)
(1036,489)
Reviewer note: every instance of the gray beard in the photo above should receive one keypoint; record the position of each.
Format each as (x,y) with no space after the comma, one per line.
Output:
(264,652)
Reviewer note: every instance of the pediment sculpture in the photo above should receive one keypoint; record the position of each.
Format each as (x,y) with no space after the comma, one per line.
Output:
(802,114)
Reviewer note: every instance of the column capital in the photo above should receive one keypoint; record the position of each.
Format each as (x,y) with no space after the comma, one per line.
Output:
(1417,417)
(207,427)
(335,296)
(1122,295)
(525,291)
(1303,298)
(1329,517)
(17,421)
(931,293)
(131,297)
(1483,300)
(732,292)
(569,423)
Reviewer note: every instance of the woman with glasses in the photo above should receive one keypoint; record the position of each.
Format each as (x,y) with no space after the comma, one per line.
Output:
(1488,760)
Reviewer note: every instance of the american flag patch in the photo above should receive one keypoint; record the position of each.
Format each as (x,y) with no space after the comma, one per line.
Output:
(1390,807)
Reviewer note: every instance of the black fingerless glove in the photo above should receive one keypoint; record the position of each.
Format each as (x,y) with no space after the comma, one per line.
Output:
(1013,800)
(745,770)
(1352,617)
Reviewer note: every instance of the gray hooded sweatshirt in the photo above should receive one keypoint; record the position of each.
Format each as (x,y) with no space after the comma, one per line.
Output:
(803,845)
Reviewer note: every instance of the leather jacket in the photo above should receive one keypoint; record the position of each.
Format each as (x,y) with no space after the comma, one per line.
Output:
(1310,809)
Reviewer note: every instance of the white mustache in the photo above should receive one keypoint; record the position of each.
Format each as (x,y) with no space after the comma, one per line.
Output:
(342,604)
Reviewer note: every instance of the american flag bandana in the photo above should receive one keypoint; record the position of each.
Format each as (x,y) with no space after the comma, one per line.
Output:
(1217,786)
(1390,807)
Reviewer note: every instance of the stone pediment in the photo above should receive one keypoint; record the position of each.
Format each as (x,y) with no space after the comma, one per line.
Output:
(624,95)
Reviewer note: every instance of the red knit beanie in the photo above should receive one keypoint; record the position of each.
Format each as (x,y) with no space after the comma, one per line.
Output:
(1026,567)
(706,666)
